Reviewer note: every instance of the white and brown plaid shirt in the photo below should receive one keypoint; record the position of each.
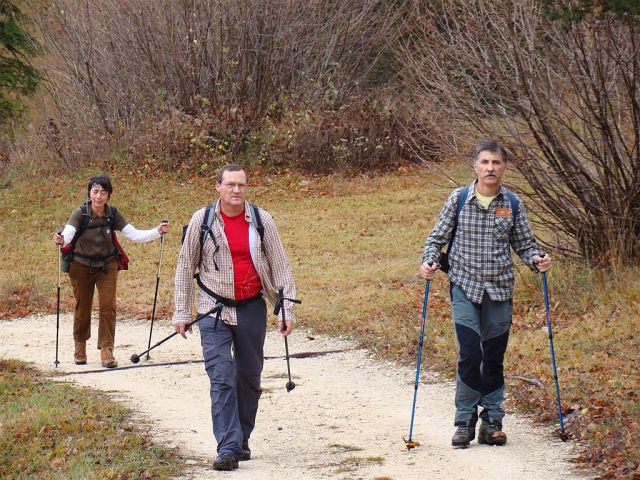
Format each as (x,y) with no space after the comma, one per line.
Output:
(271,264)
(480,259)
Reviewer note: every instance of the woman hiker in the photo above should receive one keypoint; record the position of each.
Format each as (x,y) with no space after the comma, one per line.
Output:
(93,257)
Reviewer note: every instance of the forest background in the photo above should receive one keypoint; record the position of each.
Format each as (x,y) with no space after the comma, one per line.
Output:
(324,98)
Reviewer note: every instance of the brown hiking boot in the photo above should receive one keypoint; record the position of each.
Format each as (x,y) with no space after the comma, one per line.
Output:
(80,355)
(491,434)
(106,355)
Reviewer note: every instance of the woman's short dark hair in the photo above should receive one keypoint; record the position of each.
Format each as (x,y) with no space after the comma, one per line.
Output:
(102,180)
(232,167)
(489,146)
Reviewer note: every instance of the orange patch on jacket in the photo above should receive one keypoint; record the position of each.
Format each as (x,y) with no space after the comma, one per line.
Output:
(503,213)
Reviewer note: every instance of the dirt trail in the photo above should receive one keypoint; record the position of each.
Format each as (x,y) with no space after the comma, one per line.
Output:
(344,420)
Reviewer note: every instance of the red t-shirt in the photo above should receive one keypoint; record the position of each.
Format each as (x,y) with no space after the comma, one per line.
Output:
(246,280)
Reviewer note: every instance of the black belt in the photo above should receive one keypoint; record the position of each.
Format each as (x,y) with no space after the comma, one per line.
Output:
(227,302)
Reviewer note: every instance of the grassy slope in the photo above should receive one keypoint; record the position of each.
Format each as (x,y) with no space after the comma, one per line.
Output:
(55,431)
(354,246)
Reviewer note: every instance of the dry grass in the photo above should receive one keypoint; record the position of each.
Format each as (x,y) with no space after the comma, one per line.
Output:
(55,431)
(354,245)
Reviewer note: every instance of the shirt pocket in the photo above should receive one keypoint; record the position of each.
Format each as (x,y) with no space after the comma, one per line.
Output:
(501,229)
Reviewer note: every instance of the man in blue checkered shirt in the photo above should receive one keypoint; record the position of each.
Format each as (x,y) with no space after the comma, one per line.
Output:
(482,280)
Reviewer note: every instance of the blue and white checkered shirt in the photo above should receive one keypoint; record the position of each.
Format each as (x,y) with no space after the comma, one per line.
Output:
(480,259)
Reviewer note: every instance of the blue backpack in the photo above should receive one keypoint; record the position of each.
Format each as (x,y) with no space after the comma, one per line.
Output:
(444,256)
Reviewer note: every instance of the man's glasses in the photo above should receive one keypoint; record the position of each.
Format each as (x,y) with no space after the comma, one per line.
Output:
(233,186)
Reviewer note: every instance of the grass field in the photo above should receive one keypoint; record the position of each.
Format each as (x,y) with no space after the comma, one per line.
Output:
(355,245)
(53,431)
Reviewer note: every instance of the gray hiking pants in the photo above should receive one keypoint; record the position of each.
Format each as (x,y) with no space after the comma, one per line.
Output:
(233,359)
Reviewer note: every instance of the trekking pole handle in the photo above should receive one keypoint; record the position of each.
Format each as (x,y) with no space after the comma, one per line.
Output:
(59,232)
(280,302)
(278,305)
(164,221)
(541,256)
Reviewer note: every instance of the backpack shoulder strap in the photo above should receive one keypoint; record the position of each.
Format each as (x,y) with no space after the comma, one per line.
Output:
(514,203)
(461,199)
(255,214)
(207,223)
(111,219)
(84,221)
(206,229)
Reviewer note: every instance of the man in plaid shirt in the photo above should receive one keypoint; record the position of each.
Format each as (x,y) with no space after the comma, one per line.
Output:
(482,279)
(237,269)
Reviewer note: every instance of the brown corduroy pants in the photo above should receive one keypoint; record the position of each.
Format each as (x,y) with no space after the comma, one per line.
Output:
(84,280)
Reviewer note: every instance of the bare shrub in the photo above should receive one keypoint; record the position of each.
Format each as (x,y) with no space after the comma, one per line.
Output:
(129,58)
(363,135)
(198,142)
(358,136)
(564,99)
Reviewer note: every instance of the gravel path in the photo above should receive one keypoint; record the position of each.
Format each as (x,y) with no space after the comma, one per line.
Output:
(344,420)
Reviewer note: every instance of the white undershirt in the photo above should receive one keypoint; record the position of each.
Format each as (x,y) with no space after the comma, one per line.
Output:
(129,231)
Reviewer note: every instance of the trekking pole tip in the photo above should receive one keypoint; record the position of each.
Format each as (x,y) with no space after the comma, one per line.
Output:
(135,358)
(290,386)
(411,443)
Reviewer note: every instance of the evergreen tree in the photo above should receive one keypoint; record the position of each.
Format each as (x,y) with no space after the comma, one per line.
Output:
(576,10)
(17,77)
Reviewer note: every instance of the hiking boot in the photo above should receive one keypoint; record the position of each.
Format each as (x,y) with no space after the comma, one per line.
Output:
(463,436)
(245,453)
(80,355)
(106,355)
(225,462)
(491,433)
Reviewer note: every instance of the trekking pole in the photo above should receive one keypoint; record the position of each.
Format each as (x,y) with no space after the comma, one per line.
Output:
(58,303)
(409,442)
(155,297)
(280,305)
(216,309)
(563,435)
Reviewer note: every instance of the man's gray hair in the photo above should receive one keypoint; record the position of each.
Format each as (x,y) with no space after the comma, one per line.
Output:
(489,146)
(232,167)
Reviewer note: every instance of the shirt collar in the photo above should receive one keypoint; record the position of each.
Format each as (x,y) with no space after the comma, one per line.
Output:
(107,210)
(472,190)
(247,215)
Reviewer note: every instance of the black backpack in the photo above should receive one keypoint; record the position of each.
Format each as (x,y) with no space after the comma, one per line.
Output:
(68,252)
(207,224)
